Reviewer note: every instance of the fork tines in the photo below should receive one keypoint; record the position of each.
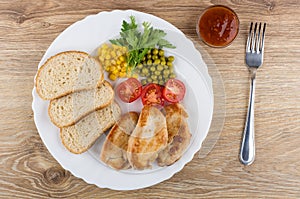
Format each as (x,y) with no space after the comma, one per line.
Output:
(255,41)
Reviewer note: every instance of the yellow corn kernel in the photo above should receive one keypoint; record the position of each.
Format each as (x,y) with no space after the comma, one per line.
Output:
(112,77)
(122,58)
(101,59)
(99,51)
(104,46)
(122,74)
(119,53)
(135,75)
(113,62)
(123,69)
(124,48)
(107,56)
(113,53)
(103,52)
(107,63)
(113,68)
(113,59)
(107,68)
(114,46)
(125,64)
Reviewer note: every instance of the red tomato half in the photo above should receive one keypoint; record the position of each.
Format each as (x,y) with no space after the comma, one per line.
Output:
(152,95)
(174,91)
(129,90)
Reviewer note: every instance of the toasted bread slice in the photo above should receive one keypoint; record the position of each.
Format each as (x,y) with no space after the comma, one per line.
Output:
(68,72)
(179,135)
(67,110)
(114,149)
(149,137)
(79,137)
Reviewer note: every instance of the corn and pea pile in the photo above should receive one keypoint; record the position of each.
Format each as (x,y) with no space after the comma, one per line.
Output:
(155,67)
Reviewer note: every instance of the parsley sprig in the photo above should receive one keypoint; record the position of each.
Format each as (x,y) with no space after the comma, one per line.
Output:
(139,43)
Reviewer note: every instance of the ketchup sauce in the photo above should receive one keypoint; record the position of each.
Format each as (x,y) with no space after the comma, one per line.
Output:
(218,26)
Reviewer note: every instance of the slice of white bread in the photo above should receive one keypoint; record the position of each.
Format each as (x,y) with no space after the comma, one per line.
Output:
(79,137)
(67,110)
(67,72)
(114,149)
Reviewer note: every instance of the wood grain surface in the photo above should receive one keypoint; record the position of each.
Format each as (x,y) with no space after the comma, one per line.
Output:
(27,169)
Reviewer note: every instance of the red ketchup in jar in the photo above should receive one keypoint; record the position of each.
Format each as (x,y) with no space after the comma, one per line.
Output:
(218,26)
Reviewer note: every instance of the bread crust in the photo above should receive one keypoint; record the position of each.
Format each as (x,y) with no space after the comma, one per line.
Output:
(82,116)
(109,125)
(71,91)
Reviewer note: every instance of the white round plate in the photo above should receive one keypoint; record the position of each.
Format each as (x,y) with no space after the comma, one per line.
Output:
(86,35)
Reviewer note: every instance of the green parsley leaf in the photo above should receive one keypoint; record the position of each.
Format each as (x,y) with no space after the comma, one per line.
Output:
(138,43)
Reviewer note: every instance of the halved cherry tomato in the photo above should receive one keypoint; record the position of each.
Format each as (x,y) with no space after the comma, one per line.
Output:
(129,90)
(152,95)
(174,91)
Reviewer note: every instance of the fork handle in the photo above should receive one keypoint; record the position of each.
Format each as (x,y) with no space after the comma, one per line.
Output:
(247,153)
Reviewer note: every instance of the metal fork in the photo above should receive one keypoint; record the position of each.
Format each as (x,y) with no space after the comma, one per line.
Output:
(254,59)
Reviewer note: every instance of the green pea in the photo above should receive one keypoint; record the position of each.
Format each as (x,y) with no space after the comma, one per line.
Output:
(149,62)
(149,80)
(144,82)
(154,57)
(161,52)
(166,67)
(155,82)
(160,67)
(166,72)
(149,56)
(145,70)
(163,63)
(154,51)
(161,82)
(137,71)
(154,77)
(169,63)
(171,58)
(149,52)
(172,75)
(140,66)
(159,77)
(157,72)
(157,61)
(162,59)
(152,68)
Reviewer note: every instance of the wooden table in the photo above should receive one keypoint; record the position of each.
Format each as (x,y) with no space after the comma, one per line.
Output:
(29,171)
